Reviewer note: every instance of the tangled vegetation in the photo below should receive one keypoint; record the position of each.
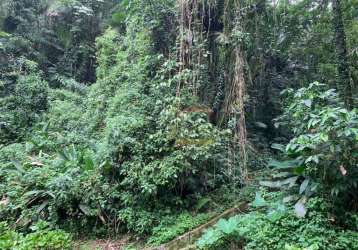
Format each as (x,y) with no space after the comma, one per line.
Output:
(276,227)
(148,118)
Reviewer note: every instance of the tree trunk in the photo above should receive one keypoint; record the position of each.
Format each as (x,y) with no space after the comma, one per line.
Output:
(234,106)
(344,84)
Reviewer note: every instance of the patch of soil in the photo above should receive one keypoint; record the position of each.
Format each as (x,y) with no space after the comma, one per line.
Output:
(101,244)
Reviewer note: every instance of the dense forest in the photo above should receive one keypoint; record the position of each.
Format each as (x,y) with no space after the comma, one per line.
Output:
(179,124)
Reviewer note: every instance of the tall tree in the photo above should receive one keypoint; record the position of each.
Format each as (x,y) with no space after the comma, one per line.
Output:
(343,78)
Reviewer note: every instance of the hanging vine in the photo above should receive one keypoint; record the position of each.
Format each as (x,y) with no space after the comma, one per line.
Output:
(234,104)
(210,40)
(193,43)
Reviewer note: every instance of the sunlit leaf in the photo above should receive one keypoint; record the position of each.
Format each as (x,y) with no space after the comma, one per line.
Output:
(259,201)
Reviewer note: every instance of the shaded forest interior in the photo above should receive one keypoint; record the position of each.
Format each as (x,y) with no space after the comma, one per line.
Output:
(148,118)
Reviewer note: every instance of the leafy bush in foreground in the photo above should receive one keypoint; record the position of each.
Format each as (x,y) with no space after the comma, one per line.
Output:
(41,239)
(280,229)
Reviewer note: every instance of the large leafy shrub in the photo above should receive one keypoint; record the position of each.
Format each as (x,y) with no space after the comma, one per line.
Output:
(41,238)
(152,147)
(67,190)
(325,140)
(123,153)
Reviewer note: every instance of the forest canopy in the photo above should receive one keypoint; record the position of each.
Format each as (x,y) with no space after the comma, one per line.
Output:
(151,118)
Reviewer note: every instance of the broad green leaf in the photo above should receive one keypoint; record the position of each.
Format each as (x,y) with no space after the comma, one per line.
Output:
(289,198)
(202,203)
(261,125)
(259,201)
(85,209)
(228,226)
(18,166)
(280,183)
(304,185)
(281,175)
(279,147)
(89,164)
(42,206)
(209,238)
(33,193)
(299,170)
(275,215)
(284,164)
(271,184)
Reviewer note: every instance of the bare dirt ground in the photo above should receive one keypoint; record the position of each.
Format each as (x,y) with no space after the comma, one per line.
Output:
(102,244)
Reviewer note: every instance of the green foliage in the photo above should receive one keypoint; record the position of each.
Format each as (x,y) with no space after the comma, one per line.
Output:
(41,238)
(22,102)
(156,151)
(100,157)
(8,238)
(259,201)
(171,227)
(291,247)
(60,35)
(325,143)
(67,187)
(48,240)
(147,138)
(262,230)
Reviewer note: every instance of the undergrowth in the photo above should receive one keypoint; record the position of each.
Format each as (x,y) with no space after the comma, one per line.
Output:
(272,224)
(146,144)
(169,228)
(41,238)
